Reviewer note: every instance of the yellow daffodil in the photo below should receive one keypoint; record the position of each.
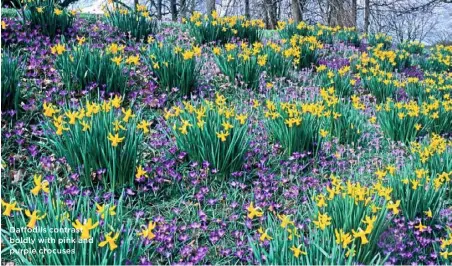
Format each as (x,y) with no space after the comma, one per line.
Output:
(380,174)
(57,11)
(9,207)
(34,217)
(147,231)
(144,125)
(110,241)
(133,59)
(49,109)
(81,40)
(222,135)
(226,125)
(187,55)
(342,238)
(140,172)
(420,227)
(117,60)
(115,48)
(254,212)
(241,118)
(216,51)
(394,206)
(360,234)
(264,234)
(39,185)
(127,114)
(285,220)
(101,210)
(58,49)
(297,251)
(323,133)
(85,228)
(85,126)
(117,126)
(323,221)
(115,140)
(116,101)
(369,221)
(414,184)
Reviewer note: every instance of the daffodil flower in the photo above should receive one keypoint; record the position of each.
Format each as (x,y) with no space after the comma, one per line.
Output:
(285,220)
(85,228)
(101,210)
(297,251)
(394,206)
(147,231)
(40,185)
(222,135)
(360,234)
(144,125)
(140,172)
(420,227)
(264,234)
(115,139)
(254,212)
(110,241)
(9,207)
(34,217)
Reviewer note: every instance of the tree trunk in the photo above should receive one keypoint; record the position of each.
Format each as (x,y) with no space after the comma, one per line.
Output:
(210,6)
(247,9)
(183,8)
(341,13)
(159,9)
(271,13)
(296,12)
(354,12)
(366,16)
(173,8)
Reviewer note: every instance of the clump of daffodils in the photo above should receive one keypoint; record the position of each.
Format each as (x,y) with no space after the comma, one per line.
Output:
(297,126)
(51,18)
(420,192)
(401,121)
(79,226)
(245,62)
(354,215)
(175,66)
(440,60)
(82,64)
(213,28)
(305,50)
(98,136)
(137,22)
(211,131)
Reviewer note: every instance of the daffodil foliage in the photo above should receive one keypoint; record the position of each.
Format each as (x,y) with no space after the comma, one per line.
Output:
(213,28)
(212,132)
(136,22)
(176,67)
(98,136)
(82,65)
(50,222)
(48,15)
